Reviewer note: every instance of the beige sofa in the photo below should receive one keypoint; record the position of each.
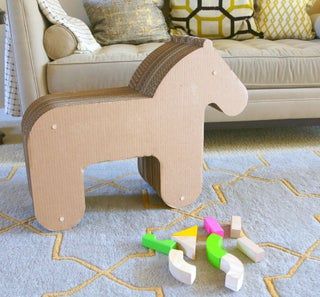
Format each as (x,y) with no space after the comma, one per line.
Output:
(283,77)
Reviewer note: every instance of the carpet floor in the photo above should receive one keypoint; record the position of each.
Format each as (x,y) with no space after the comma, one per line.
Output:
(270,177)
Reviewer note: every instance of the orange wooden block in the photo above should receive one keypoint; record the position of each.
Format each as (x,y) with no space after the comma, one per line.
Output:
(158,118)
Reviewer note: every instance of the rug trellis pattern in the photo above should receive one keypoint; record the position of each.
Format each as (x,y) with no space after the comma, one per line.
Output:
(276,192)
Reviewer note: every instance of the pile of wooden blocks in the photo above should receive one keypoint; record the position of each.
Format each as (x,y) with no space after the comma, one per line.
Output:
(184,243)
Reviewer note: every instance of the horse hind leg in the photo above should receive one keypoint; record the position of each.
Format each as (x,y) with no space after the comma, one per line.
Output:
(57,190)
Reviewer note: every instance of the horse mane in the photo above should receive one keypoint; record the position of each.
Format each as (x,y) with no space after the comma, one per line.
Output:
(155,67)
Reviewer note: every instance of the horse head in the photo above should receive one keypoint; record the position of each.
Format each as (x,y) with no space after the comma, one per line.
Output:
(197,65)
(222,88)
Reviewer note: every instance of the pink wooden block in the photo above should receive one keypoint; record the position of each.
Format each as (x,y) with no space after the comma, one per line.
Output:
(211,225)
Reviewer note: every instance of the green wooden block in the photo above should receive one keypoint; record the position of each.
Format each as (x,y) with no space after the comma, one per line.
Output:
(150,241)
(215,250)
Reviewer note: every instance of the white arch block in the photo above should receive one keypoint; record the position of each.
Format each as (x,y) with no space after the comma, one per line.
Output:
(187,244)
(180,269)
(234,270)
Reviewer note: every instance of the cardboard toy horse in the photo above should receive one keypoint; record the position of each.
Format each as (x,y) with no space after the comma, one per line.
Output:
(158,118)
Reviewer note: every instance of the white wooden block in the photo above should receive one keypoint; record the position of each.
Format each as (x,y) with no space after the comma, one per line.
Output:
(180,269)
(235,227)
(249,248)
(234,270)
(188,244)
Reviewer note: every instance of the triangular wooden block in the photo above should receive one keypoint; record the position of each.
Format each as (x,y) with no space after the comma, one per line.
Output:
(192,231)
(188,244)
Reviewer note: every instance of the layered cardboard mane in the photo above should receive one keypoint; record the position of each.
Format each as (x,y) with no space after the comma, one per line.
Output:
(155,67)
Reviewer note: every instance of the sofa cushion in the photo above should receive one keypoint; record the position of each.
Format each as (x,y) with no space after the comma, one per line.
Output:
(263,64)
(258,63)
(112,66)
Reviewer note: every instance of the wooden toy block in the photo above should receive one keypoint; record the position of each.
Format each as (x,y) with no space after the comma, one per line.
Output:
(212,226)
(187,241)
(188,244)
(150,241)
(227,230)
(236,227)
(215,250)
(180,269)
(250,249)
(192,231)
(234,270)
(158,118)
(221,259)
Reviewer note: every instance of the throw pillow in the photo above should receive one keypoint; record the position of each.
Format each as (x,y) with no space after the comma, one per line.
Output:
(55,14)
(126,21)
(215,19)
(59,42)
(284,19)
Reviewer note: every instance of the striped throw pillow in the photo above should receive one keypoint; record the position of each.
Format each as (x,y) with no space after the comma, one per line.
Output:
(55,14)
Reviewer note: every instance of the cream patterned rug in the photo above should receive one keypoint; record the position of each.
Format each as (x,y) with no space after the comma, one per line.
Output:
(271,177)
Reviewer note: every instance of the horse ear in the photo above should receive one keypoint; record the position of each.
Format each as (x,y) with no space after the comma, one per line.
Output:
(207,45)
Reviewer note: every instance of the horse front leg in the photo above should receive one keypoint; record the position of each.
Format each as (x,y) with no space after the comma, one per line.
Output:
(181,177)
(176,172)
(177,180)
(149,169)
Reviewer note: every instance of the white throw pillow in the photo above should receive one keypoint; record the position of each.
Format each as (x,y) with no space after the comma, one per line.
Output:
(55,14)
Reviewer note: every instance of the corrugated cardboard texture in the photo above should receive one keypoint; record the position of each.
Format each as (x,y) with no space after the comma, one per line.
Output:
(159,118)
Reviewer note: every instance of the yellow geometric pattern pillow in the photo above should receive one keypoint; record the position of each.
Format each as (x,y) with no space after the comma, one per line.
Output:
(215,19)
(284,19)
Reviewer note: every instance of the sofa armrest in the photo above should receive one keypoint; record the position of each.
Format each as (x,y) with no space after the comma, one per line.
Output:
(316,23)
(27,28)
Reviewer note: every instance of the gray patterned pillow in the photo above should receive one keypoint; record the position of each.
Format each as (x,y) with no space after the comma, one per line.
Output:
(126,21)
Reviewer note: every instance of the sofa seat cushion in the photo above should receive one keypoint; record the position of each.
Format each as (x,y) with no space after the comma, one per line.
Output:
(111,66)
(259,63)
(266,64)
